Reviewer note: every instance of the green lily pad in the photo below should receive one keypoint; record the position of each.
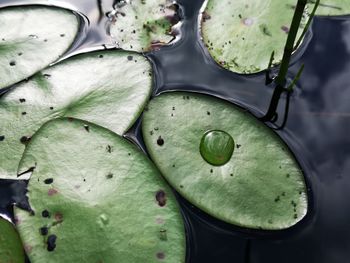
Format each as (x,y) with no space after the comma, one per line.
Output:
(96,198)
(241,35)
(11,249)
(333,8)
(261,186)
(106,88)
(32,37)
(141,25)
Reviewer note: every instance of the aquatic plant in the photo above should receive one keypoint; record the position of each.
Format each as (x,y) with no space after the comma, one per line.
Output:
(95,197)
(11,249)
(79,87)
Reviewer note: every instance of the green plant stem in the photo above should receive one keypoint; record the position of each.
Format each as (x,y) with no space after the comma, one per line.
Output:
(289,47)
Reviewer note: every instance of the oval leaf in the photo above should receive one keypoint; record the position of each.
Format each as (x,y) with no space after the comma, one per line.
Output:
(241,35)
(11,249)
(32,37)
(97,198)
(107,88)
(141,25)
(333,8)
(261,186)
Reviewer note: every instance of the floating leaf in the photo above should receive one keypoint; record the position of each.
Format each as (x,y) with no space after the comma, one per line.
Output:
(107,88)
(32,37)
(261,186)
(333,7)
(141,25)
(11,249)
(96,198)
(241,35)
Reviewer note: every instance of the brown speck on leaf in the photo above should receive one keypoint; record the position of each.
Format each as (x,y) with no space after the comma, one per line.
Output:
(285,29)
(28,248)
(52,191)
(160,255)
(205,16)
(161,198)
(58,217)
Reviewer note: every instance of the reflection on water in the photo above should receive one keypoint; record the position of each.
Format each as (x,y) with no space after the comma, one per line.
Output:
(317,131)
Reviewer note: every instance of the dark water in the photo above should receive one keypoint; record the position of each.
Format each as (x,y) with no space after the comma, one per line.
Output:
(317,131)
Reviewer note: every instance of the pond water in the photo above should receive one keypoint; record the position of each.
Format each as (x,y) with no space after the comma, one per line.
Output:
(317,129)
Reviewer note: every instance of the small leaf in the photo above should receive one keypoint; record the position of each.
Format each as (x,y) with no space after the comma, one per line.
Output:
(241,35)
(260,186)
(11,249)
(141,25)
(32,37)
(106,203)
(107,88)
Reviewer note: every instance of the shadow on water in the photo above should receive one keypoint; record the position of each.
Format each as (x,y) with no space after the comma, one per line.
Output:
(316,129)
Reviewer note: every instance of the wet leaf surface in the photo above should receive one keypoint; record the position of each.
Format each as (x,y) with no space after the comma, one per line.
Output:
(141,25)
(106,202)
(32,37)
(107,88)
(261,186)
(11,249)
(240,35)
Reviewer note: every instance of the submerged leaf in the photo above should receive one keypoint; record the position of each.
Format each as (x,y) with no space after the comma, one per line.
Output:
(241,35)
(11,249)
(141,25)
(106,88)
(98,199)
(32,37)
(260,186)
(333,7)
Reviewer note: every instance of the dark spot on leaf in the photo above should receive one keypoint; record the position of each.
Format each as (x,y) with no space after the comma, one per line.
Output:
(287,175)
(2,137)
(160,141)
(22,100)
(295,216)
(277,199)
(208,112)
(12,63)
(161,198)
(109,176)
(51,108)
(48,181)
(62,35)
(109,149)
(47,76)
(44,231)
(86,127)
(160,255)
(24,139)
(181,186)
(51,242)
(285,29)
(163,235)
(130,58)
(20,54)
(238,146)
(45,213)
(100,56)
(211,170)
(24,113)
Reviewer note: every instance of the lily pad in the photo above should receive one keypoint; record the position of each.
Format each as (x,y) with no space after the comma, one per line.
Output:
(32,37)
(106,88)
(96,198)
(241,35)
(333,8)
(141,25)
(11,249)
(261,185)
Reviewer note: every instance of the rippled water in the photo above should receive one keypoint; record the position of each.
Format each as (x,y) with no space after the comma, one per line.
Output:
(317,131)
